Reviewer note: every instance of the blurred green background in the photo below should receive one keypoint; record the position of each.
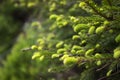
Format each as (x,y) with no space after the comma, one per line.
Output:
(16,33)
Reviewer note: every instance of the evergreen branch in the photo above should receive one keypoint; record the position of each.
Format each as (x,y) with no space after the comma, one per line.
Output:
(103,67)
(104,77)
(97,12)
(92,60)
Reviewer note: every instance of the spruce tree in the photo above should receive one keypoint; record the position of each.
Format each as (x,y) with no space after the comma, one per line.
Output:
(84,37)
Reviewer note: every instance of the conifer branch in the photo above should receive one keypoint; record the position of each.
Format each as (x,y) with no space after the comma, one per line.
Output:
(100,14)
(103,78)
(103,67)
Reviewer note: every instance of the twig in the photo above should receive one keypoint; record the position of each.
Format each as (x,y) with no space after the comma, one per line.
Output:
(103,67)
(103,78)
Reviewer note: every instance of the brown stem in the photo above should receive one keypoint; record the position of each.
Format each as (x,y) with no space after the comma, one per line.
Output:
(103,67)
(103,78)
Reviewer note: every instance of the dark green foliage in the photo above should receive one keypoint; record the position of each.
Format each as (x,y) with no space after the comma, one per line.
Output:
(89,32)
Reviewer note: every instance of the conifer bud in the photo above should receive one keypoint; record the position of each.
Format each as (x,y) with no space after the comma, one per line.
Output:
(79,27)
(42,58)
(109,72)
(82,4)
(83,42)
(55,55)
(35,55)
(97,46)
(75,37)
(70,61)
(64,56)
(101,9)
(62,50)
(76,47)
(89,52)
(116,54)
(34,47)
(80,52)
(98,63)
(106,23)
(73,51)
(97,55)
(91,30)
(53,16)
(99,30)
(117,39)
(110,31)
(58,45)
